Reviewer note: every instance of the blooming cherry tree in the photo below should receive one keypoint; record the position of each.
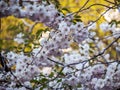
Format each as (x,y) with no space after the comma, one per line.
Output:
(71,55)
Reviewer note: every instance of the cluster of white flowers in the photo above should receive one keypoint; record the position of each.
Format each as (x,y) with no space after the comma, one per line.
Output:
(105,26)
(37,12)
(61,39)
(98,77)
(24,71)
(78,69)
(112,14)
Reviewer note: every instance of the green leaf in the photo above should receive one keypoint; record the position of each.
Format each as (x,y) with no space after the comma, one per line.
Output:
(39,33)
(76,16)
(43,80)
(51,75)
(65,9)
(34,81)
(59,80)
(61,73)
(57,3)
(20,47)
(10,27)
(78,20)
(114,22)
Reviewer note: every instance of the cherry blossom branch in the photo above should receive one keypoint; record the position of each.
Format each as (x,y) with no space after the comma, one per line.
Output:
(95,56)
(53,78)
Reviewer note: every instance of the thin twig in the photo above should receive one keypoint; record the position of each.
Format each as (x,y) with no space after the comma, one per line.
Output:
(56,62)
(97,4)
(84,5)
(109,2)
